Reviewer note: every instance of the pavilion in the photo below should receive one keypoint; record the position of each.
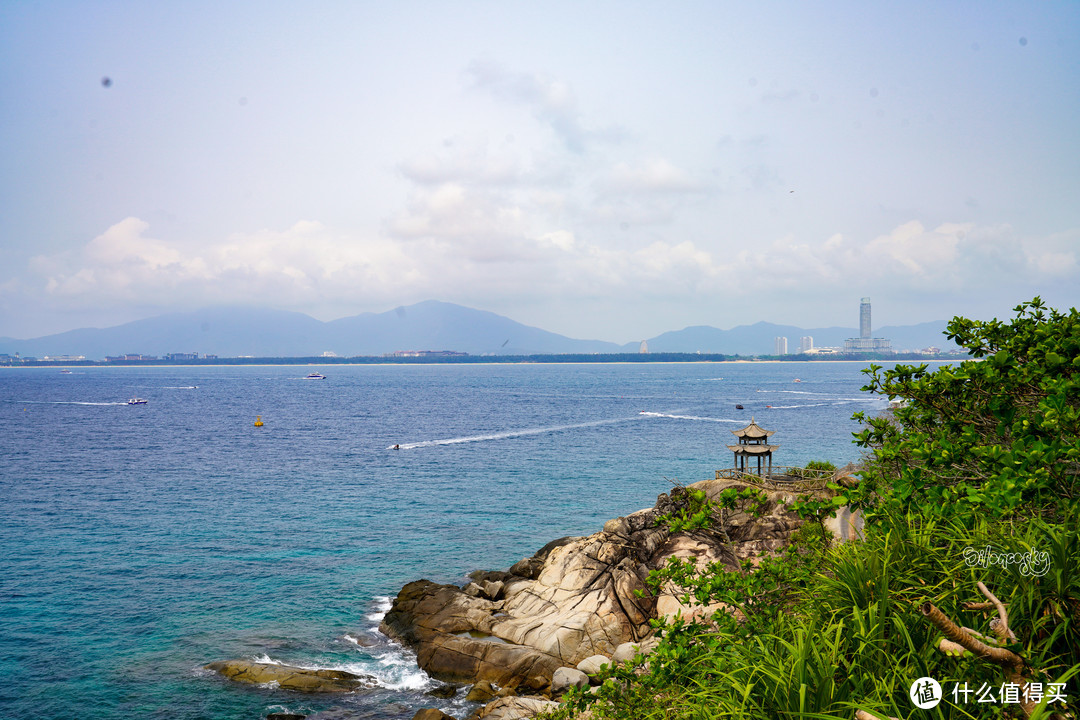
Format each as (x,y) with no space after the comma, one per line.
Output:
(753,442)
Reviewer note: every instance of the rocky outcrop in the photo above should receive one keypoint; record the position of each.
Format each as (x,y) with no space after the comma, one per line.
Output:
(576,597)
(292,678)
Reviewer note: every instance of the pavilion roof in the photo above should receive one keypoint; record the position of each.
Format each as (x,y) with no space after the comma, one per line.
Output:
(752,431)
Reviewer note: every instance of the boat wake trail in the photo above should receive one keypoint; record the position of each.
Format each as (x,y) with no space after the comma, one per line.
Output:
(505,435)
(66,402)
(689,417)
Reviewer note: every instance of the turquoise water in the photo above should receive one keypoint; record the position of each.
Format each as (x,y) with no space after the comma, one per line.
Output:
(138,543)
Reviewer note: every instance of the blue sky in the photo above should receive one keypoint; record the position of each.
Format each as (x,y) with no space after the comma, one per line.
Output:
(608,170)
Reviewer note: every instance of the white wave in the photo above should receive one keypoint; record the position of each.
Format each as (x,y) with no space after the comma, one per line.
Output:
(688,417)
(264,658)
(179,387)
(393,668)
(807,405)
(66,402)
(504,435)
(383,602)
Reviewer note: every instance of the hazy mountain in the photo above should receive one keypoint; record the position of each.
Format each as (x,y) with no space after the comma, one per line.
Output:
(759,338)
(434,325)
(219,331)
(431,325)
(229,332)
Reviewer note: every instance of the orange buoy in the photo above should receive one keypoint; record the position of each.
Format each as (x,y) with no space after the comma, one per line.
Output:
(258,421)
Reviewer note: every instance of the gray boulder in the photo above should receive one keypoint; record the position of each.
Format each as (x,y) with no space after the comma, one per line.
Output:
(566,678)
(591,665)
(515,708)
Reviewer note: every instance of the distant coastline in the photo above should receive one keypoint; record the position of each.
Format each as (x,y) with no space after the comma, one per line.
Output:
(568,358)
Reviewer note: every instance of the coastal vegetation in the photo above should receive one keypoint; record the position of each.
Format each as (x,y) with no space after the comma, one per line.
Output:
(968,571)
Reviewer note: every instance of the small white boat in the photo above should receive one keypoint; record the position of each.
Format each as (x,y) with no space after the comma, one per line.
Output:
(136,401)
(315,376)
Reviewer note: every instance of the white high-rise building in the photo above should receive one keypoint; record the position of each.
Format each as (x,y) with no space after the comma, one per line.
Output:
(865,342)
(781,346)
(806,344)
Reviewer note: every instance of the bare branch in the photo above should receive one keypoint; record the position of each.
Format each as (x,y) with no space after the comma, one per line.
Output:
(952,631)
(978,605)
(979,636)
(1001,628)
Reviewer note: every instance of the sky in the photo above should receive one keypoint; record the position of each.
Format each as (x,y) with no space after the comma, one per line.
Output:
(604,170)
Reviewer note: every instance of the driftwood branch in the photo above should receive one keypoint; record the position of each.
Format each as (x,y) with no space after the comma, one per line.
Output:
(1001,627)
(979,636)
(954,632)
(978,606)
(863,715)
(960,639)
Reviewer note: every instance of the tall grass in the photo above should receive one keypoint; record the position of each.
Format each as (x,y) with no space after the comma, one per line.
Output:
(856,639)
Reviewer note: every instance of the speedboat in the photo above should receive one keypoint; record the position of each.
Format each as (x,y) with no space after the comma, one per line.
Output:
(136,401)
(315,376)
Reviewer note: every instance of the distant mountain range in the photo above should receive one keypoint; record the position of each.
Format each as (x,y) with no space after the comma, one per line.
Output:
(430,325)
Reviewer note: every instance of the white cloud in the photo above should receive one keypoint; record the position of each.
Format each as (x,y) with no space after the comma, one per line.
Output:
(309,265)
(952,257)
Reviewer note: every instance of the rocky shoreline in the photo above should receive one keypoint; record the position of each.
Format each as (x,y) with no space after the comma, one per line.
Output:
(521,637)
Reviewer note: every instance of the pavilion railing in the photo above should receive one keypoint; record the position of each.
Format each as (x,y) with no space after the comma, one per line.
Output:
(783,476)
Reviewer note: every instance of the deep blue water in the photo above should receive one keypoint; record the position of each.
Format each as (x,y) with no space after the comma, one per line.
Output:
(138,543)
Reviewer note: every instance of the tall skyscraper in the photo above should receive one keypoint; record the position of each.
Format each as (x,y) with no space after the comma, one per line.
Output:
(866,342)
(806,343)
(781,346)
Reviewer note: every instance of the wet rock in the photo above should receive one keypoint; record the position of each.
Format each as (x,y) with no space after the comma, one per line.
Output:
(292,678)
(285,716)
(443,692)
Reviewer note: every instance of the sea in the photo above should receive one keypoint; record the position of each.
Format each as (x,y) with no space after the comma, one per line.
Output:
(140,542)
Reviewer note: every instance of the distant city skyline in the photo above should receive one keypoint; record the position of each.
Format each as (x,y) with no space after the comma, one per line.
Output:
(607,171)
